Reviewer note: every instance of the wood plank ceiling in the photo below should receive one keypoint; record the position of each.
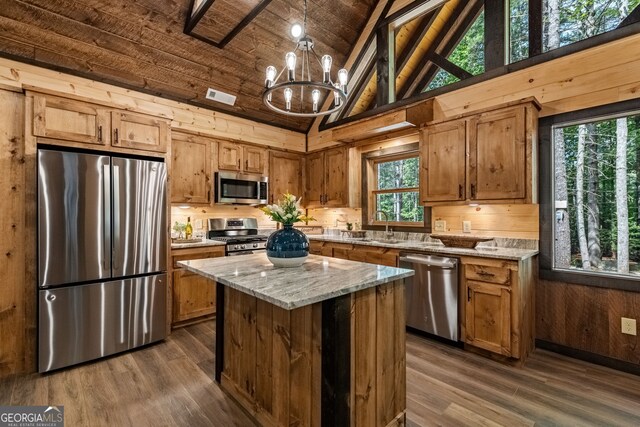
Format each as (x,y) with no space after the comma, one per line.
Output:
(141,45)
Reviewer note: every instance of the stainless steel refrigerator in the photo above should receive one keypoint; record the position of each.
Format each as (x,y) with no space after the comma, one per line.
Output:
(102,255)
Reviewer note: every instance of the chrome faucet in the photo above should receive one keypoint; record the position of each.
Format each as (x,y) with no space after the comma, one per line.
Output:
(387,233)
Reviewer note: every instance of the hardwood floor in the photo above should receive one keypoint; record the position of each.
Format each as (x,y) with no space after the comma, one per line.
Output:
(172,384)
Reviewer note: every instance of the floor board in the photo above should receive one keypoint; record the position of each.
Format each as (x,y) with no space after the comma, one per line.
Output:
(171,384)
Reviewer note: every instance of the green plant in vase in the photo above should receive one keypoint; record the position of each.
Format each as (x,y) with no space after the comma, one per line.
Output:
(287,247)
(179,228)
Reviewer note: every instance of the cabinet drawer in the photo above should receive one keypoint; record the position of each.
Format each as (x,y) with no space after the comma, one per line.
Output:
(485,273)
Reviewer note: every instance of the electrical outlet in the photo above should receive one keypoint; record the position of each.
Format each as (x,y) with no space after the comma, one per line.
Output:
(629,326)
(440,225)
(466,226)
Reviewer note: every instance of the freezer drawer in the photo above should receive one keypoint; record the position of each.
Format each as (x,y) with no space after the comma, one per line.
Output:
(432,294)
(81,323)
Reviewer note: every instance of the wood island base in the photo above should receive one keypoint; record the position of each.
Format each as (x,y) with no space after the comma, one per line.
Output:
(339,362)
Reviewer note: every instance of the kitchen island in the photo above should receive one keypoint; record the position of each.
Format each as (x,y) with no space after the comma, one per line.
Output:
(320,344)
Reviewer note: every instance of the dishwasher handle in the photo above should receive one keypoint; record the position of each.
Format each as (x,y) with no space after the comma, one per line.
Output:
(424,261)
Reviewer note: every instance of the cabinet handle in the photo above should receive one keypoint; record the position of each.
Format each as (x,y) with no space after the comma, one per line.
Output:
(473,191)
(100,133)
(238,164)
(460,191)
(115,139)
(246,165)
(485,274)
(468,294)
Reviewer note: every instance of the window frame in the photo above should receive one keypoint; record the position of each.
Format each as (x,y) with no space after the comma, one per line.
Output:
(608,280)
(370,161)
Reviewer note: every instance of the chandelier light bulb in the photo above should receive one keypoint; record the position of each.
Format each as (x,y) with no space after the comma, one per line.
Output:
(290,59)
(271,75)
(336,95)
(288,94)
(296,30)
(343,78)
(326,67)
(315,97)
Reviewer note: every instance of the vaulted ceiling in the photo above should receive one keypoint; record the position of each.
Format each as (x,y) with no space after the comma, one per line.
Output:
(141,44)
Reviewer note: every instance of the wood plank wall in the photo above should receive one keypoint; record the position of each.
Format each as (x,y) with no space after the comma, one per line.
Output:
(17,76)
(587,318)
(12,239)
(515,221)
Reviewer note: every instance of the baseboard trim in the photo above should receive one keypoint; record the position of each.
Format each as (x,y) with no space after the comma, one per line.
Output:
(587,356)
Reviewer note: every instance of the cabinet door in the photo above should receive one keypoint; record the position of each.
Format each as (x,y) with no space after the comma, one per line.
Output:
(442,162)
(255,159)
(285,175)
(497,155)
(193,295)
(70,120)
(336,180)
(229,156)
(190,169)
(314,188)
(139,132)
(488,317)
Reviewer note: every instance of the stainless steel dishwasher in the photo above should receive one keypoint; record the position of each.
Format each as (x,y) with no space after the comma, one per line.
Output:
(432,294)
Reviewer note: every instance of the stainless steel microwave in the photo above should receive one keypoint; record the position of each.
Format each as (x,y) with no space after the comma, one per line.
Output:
(241,189)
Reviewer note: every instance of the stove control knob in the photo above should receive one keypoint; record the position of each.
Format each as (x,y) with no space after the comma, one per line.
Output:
(243,246)
(255,245)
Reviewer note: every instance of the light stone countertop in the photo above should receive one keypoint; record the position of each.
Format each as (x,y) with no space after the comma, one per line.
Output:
(318,279)
(437,248)
(201,244)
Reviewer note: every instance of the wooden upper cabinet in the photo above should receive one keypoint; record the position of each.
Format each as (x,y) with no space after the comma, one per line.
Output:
(285,175)
(241,158)
(336,180)
(327,178)
(139,132)
(485,157)
(190,169)
(497,155)
(443,162)
(314,187)
(255,159)
(229,156)
(70,120)
(80,122)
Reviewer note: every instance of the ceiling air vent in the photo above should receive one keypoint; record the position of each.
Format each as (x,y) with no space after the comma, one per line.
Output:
(218,96)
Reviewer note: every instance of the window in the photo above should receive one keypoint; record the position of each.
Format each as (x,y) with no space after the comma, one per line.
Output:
(395,189)
(569,21)
(518,30)
(596,195)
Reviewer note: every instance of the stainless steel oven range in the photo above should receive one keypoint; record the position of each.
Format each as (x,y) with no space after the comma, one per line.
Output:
(240,235)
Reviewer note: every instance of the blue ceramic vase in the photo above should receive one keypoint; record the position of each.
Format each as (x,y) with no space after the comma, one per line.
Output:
(287,247)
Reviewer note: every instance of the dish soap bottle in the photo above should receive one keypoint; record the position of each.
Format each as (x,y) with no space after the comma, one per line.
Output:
(188,229)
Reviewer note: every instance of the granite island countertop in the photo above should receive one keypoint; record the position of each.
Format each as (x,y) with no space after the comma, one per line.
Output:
(437,248)
(319,278)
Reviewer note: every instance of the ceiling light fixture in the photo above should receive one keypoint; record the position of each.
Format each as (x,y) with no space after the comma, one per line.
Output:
(308,106)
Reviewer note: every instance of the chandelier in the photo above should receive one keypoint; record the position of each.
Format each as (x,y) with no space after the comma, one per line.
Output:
(280,96)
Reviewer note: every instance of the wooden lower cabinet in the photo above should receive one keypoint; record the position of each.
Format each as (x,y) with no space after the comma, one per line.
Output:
(361,253)
(498,309)
(194,296)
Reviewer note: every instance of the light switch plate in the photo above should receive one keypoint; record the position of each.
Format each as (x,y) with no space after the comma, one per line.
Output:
(440,225)
(466,226)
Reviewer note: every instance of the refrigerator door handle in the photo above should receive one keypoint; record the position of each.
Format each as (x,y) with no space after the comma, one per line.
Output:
(116,216)
(106,220)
